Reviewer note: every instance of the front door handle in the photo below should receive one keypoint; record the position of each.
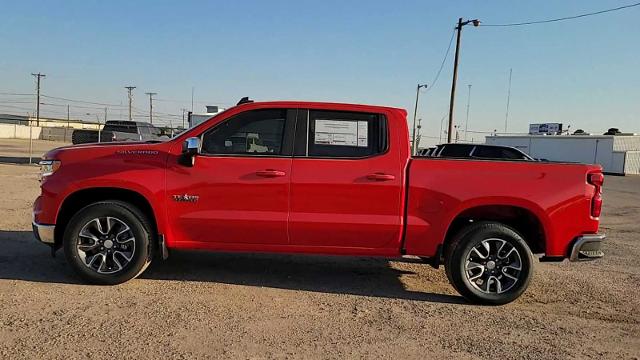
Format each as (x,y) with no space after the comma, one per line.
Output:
(270,173)
(380,177)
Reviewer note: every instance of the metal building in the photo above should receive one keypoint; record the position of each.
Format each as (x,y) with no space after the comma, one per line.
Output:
(618,154)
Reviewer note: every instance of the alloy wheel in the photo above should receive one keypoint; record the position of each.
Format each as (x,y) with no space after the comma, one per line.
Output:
(106,245)
(493,266)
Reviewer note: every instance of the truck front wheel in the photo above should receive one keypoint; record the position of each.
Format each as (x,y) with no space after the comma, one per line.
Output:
(108,242)
(489,263)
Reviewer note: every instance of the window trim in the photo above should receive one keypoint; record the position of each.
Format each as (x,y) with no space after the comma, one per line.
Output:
(304,140)
(287,136)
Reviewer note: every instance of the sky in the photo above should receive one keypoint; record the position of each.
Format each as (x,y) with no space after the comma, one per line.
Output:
(584,73)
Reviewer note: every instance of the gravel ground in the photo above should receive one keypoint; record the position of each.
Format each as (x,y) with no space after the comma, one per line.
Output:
(203,305)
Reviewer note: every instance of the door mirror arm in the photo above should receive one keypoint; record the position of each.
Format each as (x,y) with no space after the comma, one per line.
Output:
(190,148)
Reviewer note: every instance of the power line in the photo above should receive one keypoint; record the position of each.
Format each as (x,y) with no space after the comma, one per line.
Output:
(16,94)
(446,55)
(564,18)
(80,101)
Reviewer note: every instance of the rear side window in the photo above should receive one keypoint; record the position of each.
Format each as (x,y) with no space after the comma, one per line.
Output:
(345,134)
(490,152)
(122,127)
(456,150)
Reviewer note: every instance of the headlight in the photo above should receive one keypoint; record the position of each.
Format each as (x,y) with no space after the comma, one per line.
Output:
(48,167)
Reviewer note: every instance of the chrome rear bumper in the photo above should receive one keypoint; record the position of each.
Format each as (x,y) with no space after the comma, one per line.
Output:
(587,247)
(44,233)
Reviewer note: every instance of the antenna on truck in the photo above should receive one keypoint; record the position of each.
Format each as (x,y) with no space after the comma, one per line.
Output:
(244,100)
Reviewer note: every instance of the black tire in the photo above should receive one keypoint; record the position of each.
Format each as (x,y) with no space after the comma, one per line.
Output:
(140,249)
(461,260)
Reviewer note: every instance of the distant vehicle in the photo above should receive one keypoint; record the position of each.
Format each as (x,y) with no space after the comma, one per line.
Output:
(476,151)
(118,130)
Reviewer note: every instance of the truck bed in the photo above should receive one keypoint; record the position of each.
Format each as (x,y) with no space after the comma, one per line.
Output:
(440,189)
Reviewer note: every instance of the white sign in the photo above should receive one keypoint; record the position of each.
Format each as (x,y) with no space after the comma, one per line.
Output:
(341,133)
(548,128)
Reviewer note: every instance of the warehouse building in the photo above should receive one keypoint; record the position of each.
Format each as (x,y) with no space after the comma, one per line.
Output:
(618,154)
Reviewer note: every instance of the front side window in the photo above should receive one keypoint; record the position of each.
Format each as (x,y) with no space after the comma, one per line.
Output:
(144,130)
(345,134)
(258,132)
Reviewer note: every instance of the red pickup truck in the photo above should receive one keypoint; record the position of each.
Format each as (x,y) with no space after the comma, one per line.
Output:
(315,178)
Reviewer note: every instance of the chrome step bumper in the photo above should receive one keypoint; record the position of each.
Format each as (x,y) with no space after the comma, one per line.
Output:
(587,247)
(44,233)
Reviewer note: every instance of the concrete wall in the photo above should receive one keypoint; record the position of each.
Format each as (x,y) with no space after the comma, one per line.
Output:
(19,131)
(8,131)
(64,124)
(56,134)
(632,162)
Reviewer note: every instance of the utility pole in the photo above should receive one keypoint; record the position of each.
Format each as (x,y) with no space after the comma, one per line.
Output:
(66,130)
(151,94)
(193,89)
(183,110)
(506,115)
(466,124)
(461,23)
(415,114)
(130,89)
(440,135)
(38,76)
(419,136)
(105,115)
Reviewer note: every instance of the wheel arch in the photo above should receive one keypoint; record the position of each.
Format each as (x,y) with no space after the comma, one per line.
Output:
(81,198)
(524,220)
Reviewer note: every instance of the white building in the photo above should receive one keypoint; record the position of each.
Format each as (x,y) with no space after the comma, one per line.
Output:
(195,119)
(618,154)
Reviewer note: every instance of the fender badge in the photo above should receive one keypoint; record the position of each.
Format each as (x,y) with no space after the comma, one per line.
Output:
(186,198)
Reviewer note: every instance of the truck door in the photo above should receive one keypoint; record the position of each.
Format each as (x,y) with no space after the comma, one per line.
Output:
(346,182)
(236,192)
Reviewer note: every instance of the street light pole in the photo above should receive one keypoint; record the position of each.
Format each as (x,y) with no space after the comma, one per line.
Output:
(415,114)
(461,23)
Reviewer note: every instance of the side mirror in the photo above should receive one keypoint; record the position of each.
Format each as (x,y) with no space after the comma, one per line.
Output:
(190,148)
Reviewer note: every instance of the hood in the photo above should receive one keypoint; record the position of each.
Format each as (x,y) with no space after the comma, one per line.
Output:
(95,150)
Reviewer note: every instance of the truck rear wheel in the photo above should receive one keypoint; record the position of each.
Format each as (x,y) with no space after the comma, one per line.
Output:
(108,242)
(489,263)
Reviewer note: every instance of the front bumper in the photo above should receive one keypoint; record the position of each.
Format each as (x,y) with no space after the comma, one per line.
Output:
(44,233)
(587,247)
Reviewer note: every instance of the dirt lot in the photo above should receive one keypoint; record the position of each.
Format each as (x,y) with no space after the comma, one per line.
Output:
(200,305)
(16,151)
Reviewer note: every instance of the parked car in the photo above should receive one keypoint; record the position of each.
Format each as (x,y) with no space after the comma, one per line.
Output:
(117,130)
(476,151)
(325,178)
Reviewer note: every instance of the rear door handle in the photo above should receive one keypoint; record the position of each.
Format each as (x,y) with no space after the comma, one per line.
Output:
(270,173)
(380,177)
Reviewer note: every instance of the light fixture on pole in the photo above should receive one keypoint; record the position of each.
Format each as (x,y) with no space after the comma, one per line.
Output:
(415,114)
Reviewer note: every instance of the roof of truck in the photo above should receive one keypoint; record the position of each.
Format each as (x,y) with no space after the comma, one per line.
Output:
(321,105)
